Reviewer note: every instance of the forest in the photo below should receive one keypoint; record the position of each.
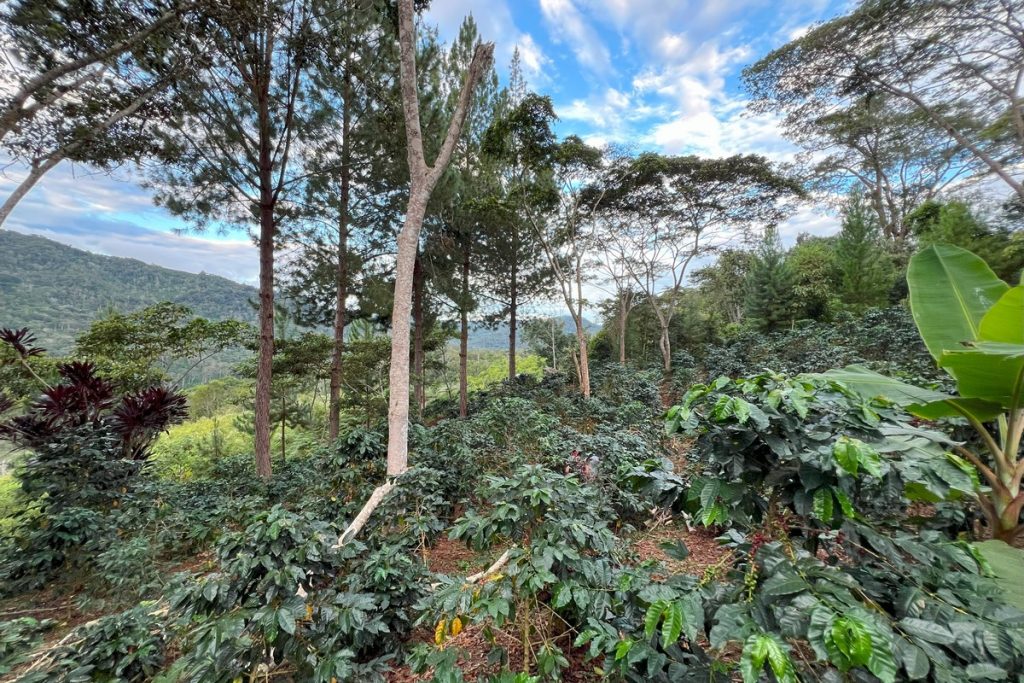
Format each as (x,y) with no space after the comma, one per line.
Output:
(706,451)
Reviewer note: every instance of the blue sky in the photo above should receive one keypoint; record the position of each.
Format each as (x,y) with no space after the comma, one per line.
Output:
(653,74)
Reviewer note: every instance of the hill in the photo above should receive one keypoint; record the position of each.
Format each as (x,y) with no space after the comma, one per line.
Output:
(58,290)
(493,338)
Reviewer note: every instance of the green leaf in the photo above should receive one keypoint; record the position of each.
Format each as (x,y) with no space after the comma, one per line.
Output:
(780,585)
(676,549)
(852,639)
(654,613)
(951,289)
(1004,321)
(672,627)
(983,671)
(755,651)
(1007,566)
(845,451)
(928,631)
(622,649)
(286,621)
(822,506)
(991,371)
(915,661)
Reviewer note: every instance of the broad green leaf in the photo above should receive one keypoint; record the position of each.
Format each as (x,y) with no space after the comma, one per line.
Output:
(652,617)
(928,631)
(1007,566)
(915,661)
(1004,322)
(672,627)
(755,651)
(622,649)
(951,289)
(852,639)
(991,371)
(926,403)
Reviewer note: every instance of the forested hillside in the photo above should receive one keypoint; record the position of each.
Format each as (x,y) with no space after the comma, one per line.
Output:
(58,290)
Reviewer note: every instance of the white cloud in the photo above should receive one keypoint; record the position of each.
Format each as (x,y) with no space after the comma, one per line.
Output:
(565,21)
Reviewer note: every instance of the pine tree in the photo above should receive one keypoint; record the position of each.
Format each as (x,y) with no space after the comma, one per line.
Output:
(769,286)
(867,271)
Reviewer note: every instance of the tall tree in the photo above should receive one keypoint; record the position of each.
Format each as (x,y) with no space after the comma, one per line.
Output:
(897,157)
(867,270)
(229,151)
(423,178)
(678,208)
(769,285)
(956,62)
(520,143)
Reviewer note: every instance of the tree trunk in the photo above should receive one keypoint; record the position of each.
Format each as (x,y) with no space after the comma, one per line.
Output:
(623,316)
(341,295)
(284,420)
(512,321)
(554,348)
(665,344)
(581,338)
(265,358)
(398,377)
(464,339)
(422,181)
(417,345)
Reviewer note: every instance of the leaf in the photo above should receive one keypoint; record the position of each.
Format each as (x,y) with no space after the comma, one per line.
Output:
(780,585)
(652,617)
(622,649)
(852,639)
(439,631)
(456,627)
(672,627)
(1004,321)
(286,621)
(676,549)
(928,631)
(951,289)
(822,506)
(915,661)
(990,371)
(984,671)
(1007,566)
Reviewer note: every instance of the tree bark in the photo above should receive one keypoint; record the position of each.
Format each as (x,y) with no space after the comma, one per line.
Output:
(623,317)
(341,295)
(584,365)
(265,359)
(423,178)
(420,393)
(464,338)
(513,321)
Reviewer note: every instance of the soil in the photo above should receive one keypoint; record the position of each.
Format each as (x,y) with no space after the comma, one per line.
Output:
(705,551)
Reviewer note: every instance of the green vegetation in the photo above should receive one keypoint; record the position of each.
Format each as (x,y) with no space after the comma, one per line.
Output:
(776,460)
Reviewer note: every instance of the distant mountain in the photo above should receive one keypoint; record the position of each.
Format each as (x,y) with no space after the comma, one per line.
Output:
(58,290)
(482,337)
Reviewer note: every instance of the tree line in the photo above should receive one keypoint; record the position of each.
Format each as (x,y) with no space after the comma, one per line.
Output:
(388,178)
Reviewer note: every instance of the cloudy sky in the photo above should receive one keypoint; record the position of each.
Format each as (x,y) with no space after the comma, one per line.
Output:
(654,74)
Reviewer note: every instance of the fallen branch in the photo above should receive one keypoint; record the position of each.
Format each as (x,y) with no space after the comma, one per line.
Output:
(493,569)
(364,515)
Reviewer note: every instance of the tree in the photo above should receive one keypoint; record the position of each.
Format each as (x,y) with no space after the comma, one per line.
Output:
(521,143)
(83,80)
(897,157)
(547,338)
(229,151)
(674,209)
(423,178)
(769,286)
(956,62)
(568,234)
(721,285)
(816,277)
(137,349)
(867,271)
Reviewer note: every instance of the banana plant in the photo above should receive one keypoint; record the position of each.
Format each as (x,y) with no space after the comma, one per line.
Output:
(973,325)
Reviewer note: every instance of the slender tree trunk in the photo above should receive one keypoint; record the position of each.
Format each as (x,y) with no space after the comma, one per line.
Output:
(337,353)
(512,321)
(623,316)
(584,365)
(464,338)
(265,358)
(665,344)
(284,420)
(420,393)
(398,377)
(554,348)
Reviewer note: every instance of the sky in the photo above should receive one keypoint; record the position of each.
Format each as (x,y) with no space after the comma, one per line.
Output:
(660,75)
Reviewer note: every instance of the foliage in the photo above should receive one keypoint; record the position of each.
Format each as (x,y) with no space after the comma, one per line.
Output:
(17,638)
(867,271)
(769,285)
